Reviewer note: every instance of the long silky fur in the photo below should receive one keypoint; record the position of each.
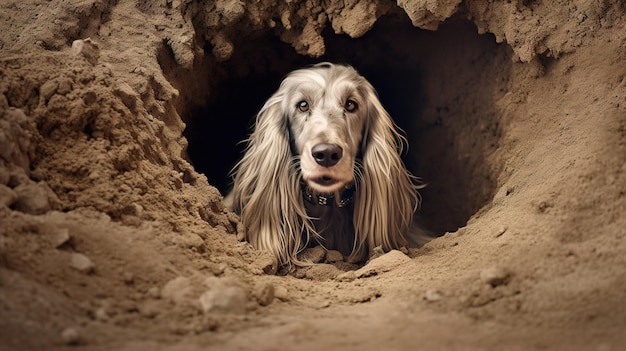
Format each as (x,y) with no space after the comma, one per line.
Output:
(386,194)
(267,185)
(266,191)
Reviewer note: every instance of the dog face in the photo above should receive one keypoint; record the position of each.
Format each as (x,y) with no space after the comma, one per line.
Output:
(326,110)
(324,126)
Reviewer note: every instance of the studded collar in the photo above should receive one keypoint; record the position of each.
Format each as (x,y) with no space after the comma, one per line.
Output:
(341,199)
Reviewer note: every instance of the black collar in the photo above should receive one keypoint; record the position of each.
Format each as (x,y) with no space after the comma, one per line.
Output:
(342,198)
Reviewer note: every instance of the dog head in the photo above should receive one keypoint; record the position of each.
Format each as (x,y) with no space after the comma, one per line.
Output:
(326,107)
(326,127)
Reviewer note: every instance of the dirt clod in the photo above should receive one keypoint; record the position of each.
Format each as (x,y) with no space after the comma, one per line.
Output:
(432,295)
(71,336)
(178,289)
(495,276)
(225,299)
(119,121)
(265,293)
(82,263)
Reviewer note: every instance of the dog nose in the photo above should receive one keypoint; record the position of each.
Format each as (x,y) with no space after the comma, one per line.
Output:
(327,155)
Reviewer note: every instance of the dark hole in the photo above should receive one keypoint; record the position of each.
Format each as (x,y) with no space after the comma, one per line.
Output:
(438,86)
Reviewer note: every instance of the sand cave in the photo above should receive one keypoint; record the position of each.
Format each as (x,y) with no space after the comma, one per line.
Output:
(120,121)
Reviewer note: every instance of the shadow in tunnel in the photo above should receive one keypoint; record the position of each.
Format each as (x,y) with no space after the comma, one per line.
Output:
(434,84)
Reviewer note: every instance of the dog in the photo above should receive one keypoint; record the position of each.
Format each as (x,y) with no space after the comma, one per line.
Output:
(323,166)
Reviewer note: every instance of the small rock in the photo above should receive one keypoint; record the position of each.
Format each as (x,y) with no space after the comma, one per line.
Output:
(65,86)
(333,256)
(227,299)
(32,198)
(48,89)
(500,231)
(60,237)
(222,47)
(216,268)
(432,295)
(154,292)
(313,254)
(281,293)
(149,309)
(264,294)
(267,264)
(134,209)
(128,278)
(87,49)
(177,289)
(102,313)
(322,272)
(494,276)
(7,196)
(71,336)
(82,263)
(128,95)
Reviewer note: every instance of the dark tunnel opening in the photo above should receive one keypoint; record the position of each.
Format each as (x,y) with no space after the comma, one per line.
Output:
(438,86)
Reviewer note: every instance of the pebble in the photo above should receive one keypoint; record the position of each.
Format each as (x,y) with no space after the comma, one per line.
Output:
(432,295)
(313,254)
(321,272)
(333,256)
(128,278)
(281,293)
(265,294)
(501,231)
(7,196)
(149,309)
(47,89)
(32,198)
(266,264)
(177,289)
(71,336)
(154,292)
(226,299)
(128,95)
(60,236)
(87,49)
(102,313)
(82,263)
(494,276)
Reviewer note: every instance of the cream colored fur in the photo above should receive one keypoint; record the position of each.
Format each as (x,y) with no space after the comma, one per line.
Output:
(267,188)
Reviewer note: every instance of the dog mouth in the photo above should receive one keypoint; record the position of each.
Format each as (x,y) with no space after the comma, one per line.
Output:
(324,184)
(325,181)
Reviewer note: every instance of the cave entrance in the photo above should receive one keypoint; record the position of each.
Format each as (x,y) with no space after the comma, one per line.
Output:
(439,87)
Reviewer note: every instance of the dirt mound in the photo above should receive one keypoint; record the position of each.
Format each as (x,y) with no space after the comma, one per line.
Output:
(113,164)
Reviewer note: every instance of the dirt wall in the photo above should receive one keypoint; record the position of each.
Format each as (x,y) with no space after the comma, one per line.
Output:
(112,168)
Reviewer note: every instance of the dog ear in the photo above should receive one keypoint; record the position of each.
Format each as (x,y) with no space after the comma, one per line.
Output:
(266,190)
(386,196)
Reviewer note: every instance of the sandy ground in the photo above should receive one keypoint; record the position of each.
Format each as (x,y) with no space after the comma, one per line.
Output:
(111,239)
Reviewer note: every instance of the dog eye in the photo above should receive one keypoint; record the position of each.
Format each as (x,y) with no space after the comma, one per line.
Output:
(351,106)
(303,106)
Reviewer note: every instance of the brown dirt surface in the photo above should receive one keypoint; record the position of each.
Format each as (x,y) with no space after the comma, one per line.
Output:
(112,237)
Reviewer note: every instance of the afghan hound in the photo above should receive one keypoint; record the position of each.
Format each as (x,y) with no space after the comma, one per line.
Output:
(322,167)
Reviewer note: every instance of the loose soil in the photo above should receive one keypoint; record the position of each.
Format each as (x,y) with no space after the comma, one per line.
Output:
(120,119)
